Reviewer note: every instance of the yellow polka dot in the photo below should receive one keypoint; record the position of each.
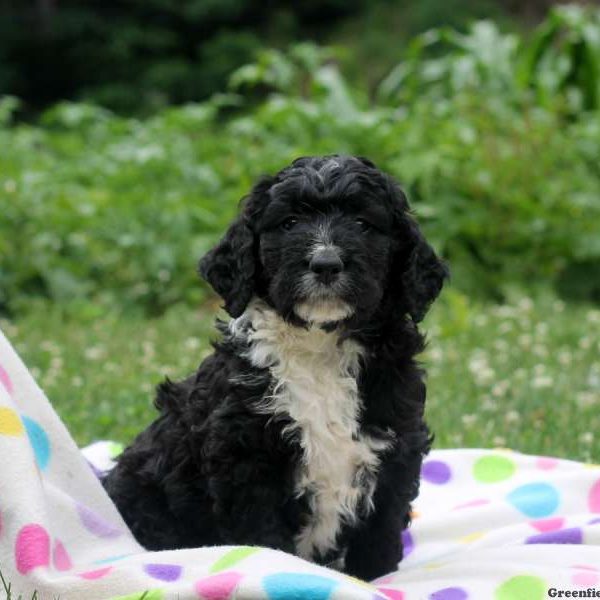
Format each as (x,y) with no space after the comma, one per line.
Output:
(361,583)
(433,566)
(414,514)
(591,466)
(10,423)
(472,537)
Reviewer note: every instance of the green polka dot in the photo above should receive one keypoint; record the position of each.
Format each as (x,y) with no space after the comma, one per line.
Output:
(493,468)
(114,449)
(232,557)
(145,595)
(522,587)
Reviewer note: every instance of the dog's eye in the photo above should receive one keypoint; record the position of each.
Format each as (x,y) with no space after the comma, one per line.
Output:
(364,225)
(289,223)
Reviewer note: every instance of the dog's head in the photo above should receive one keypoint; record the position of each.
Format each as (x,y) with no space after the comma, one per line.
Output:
(326,239)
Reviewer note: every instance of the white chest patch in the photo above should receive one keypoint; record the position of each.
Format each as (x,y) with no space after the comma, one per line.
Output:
(316,386)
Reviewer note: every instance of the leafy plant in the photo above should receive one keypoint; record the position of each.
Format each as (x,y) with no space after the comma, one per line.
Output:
(116,211)
(563,57)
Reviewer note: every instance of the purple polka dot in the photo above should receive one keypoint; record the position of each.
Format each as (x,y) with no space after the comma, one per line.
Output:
(408,542)
(450,593)
(594,521)
(97,472)
(572,535)
(95,524)
(436,471)
(163,572)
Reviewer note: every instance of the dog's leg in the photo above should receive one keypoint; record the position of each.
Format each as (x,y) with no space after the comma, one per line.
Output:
(375,546)
(250,476)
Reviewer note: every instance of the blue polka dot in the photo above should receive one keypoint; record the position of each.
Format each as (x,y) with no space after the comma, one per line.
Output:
(535,499)
(299,586)
(39,441)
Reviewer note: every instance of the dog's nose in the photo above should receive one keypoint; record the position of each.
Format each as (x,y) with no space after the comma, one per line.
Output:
(326,264)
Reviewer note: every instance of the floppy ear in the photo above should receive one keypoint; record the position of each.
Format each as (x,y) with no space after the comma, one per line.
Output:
(418,273)
(230,267)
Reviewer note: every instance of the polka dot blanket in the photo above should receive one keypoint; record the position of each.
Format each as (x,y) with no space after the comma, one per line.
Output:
(488,524)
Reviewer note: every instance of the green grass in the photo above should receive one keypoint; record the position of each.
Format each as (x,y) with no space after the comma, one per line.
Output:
(525,375)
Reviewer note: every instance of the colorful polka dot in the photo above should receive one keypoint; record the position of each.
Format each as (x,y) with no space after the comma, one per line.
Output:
(545,463)
(97,574)
(95,524)
(299,586)
(218,587)
(163,572)
(32,548)
(110,559)
(114,449)
(10,423)
(535,499)
(359,582)
(408,543)
(60,557)
(544,525)
(384,579)
(471,537)
(449,593)
(573,535)
(232,558)
(522,587)
(436,472)
(5,380)
(472,504)
(594,498)
(391,594)
(493,468)
(145,594)
(39,441)
(585,577)
(433,566)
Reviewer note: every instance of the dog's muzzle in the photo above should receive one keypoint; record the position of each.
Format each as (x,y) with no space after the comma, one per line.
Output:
(326,264)
(321,287)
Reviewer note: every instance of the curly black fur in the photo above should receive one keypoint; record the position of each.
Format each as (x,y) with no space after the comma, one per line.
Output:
(214,470)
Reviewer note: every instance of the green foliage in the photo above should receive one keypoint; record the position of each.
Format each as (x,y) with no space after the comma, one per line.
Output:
(562,59)
(97,207)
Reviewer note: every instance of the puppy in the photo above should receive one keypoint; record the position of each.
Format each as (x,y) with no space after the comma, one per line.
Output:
(304,430)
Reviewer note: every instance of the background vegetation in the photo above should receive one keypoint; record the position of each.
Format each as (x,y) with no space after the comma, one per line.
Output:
(492,126)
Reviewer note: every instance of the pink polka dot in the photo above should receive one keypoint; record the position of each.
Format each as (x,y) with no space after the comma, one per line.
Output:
(548,524)
(61,559)
(586,568)
(5,380)
(546,463)
(383,580)
(472,504)
(585,579)
(97,574)
(32,548)
(391,594)
(594,498)
(218,587)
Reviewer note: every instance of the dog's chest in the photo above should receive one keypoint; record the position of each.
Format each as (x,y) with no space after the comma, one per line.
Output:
(315,385)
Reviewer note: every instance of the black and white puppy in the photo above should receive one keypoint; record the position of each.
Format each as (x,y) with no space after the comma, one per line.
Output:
(304,430)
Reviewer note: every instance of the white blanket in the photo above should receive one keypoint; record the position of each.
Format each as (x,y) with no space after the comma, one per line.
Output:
(488,524)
